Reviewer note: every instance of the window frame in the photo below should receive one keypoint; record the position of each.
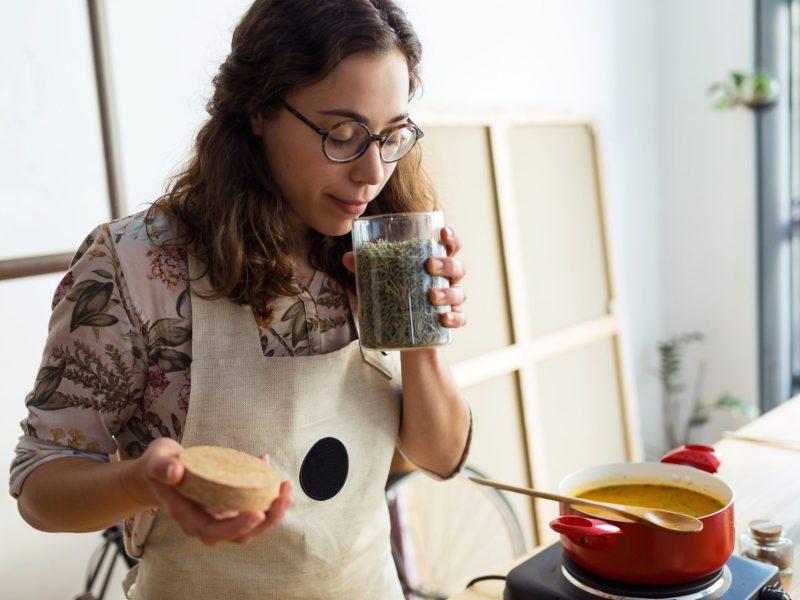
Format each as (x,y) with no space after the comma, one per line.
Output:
(27,266)
(778,247)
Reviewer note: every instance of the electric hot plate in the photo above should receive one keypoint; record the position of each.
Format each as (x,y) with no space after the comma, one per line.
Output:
(552,575)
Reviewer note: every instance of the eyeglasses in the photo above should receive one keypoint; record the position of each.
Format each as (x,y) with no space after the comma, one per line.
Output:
(348,140)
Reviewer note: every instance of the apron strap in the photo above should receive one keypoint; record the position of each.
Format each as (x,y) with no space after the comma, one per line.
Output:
(220,328)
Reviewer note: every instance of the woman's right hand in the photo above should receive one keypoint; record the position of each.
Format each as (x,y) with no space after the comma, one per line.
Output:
(158,473)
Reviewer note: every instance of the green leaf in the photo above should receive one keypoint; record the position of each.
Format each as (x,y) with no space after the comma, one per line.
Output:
(92,301)
(79,288)
(134,449)
(55,401)
(167,332)
(698,420)
(176,425)
(184,296)
(727,400)
(139,429)
(296,313)
(723,104)
(299,330)
(733,404)
(155,421)
(101,320)
(47,381)
(169,361)
(293,311)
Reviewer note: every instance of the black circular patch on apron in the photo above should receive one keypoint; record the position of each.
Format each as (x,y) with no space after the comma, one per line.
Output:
(324,469)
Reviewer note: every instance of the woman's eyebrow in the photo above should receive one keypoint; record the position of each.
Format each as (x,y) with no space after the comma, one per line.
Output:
(339,112)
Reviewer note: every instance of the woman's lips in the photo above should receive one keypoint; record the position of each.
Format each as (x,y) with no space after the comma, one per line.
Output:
(350,207)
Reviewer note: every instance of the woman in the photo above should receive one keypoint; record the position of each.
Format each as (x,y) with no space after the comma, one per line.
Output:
(223,315)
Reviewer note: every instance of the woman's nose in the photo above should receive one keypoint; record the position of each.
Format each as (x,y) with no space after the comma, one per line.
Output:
(369,167)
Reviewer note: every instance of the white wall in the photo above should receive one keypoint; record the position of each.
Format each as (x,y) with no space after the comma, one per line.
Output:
(678,177)
(595,59)
(708,194)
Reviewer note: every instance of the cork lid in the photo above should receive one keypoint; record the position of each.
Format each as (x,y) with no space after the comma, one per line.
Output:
(224,478)
(766,529)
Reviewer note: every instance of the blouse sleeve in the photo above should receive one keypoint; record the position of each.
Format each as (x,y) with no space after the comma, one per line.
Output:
(93,369)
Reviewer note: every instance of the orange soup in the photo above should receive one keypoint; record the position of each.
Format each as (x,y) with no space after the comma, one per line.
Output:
(666,497)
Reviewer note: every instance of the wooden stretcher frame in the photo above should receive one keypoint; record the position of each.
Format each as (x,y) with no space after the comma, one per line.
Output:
(526,351)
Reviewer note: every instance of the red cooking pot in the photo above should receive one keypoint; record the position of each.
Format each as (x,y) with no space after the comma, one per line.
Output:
(636,553)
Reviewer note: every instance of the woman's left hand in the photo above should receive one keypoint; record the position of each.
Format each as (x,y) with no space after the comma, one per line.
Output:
(452,268)
(445,266)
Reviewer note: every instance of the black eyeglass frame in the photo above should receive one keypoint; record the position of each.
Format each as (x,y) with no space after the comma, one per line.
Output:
(373,137)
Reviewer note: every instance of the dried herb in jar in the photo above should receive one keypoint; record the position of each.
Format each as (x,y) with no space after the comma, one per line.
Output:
(394,295)
(766,543)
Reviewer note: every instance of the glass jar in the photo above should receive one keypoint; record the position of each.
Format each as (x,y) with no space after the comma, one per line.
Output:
(393,285)
(766,543)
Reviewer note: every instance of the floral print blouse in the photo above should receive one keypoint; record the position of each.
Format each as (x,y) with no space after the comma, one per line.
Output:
(115,373)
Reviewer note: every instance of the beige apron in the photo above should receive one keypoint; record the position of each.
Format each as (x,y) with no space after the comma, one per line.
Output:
(330,424)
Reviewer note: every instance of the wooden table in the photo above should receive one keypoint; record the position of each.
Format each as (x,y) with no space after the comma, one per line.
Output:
(765,480)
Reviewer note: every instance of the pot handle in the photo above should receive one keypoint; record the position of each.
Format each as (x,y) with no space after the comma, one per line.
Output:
(700,457)
(592,534)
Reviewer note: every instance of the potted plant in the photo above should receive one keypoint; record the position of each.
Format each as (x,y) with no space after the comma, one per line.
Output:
(755,90)
(683,413)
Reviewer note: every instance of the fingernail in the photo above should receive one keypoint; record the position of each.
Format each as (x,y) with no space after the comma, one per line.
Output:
(450,232)
(170,472)
(438,295)
(436,265)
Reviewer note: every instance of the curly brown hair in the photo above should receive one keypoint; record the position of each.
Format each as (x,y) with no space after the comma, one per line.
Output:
(225,201)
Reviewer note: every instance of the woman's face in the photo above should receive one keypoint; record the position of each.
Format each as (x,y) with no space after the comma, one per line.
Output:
(320,193)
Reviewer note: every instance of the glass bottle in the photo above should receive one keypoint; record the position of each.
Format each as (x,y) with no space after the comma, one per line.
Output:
(393,284)
(765,542)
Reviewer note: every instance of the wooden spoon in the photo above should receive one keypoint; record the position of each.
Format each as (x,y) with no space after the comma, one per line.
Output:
(654,517)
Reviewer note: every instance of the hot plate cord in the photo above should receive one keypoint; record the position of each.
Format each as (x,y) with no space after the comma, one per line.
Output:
(485,578)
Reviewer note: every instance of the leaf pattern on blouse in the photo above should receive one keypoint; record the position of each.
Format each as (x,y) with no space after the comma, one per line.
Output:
(296,315)
(331,297)
(116,369)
